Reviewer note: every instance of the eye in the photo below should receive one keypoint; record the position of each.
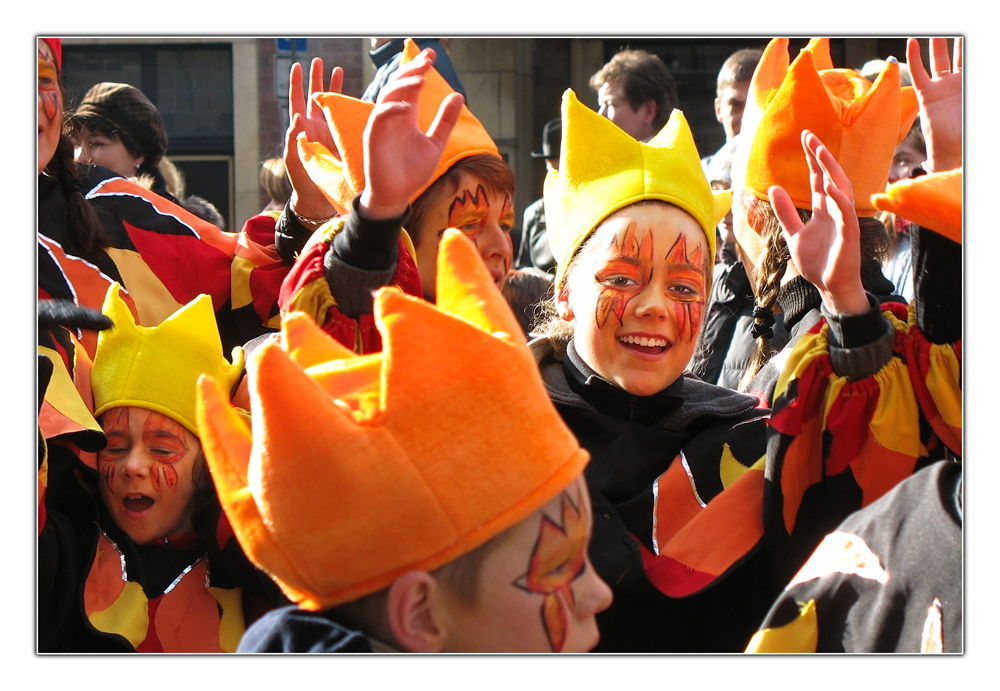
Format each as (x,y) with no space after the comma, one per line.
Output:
(619,281)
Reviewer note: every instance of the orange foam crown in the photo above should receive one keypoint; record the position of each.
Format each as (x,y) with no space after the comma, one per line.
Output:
(360,468)
(342,178)
(861,122)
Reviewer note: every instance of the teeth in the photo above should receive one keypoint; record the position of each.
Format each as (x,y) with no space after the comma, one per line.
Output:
(645,342)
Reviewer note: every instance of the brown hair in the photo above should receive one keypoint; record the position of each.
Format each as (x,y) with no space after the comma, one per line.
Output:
(274,180)
(767,280)
(642,77)
(492,170)
(81,218)
(738,67)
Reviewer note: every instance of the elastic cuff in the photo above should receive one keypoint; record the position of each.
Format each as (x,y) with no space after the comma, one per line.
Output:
(860,345)
(367,244)
(352,287)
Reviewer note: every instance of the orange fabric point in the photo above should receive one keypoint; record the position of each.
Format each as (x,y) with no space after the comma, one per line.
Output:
(933,201)
(361,468)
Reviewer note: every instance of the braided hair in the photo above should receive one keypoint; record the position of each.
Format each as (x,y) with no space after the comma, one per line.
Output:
(81,217)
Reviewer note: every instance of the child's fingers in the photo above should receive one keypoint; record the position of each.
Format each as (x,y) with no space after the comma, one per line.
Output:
(940,60)
(958,61)
(784,210)
(918,73)
(406,89)
(337,80)
(296,97)
(446,118)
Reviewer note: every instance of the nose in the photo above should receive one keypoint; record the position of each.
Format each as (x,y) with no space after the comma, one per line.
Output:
(135,464)
(651,302)
(593,595)
(495,247)
(83,154)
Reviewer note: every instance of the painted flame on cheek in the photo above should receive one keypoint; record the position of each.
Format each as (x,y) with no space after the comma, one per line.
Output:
(688,312)
(625,248)
(558,559)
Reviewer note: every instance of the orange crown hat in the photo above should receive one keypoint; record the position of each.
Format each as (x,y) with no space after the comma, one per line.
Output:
(859,121)
(157,368)
(933,201)
(343,178)
(602,169)
(360,468)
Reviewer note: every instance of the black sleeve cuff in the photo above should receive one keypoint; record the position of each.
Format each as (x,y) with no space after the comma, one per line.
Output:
(368,244)
(290,236)
(860,345)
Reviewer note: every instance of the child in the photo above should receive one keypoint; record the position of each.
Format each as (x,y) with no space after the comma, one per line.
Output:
(426,498)
(862,123)
(141,562)
(673,475)
(388,174)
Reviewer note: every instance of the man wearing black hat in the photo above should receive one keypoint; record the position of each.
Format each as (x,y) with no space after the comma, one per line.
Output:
(534,251)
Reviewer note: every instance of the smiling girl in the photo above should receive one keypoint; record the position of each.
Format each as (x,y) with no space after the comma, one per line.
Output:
(632,227)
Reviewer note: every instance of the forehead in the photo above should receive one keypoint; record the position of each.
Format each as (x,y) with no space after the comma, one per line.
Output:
(468,181)
(45,51)
(657,216)
(737,91)
(609,90)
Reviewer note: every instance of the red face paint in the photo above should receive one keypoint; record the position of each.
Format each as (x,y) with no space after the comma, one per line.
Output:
(687,289)
(624,274)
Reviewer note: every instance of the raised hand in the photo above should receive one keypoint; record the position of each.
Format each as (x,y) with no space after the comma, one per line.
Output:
(306,119)
(826,249)
(939,96)
(399,157)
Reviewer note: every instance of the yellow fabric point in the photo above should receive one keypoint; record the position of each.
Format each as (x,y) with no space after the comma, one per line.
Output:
(63,395)
(602,169)
(944,382)
(232,625)
(128,615)
(157,367)
(730,470)
(801,635)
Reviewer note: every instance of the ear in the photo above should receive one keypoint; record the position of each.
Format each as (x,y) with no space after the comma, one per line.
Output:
(563,307)
(413,613)
(755,217)
(718,109)
(649,111)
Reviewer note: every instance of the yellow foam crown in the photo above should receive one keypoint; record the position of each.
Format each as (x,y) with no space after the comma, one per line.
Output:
(360,468)
(861,122)
(158,367)
(602,169)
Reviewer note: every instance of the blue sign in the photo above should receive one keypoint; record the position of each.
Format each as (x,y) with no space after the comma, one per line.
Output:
(291,44)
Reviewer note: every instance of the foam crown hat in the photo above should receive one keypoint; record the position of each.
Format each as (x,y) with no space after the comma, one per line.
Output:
(861,122)
(342,178)
(360,468)
(157,368)
(602,169)
(933,201)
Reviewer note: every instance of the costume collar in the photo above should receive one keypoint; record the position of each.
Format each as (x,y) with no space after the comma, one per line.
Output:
(613,400)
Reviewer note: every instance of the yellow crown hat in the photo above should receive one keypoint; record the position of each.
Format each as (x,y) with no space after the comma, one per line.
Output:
(861,122)
(342,178)
(360,468)
(602,169)
(157,368)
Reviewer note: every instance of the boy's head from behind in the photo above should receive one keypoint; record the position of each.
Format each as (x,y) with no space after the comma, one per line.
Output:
(381,475)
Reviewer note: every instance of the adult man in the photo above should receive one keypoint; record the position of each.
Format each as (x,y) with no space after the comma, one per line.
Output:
(731,88)
(535,251)
(636,91)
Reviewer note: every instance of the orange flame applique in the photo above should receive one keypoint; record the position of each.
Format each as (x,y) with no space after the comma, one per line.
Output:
(688,310)
(631,259)
(557,560)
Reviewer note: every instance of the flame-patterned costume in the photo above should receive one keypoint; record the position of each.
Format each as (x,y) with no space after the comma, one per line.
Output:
(98,591)
(864,403)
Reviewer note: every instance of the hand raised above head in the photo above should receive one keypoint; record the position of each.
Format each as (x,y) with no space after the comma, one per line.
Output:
(307,119)
(826,249)
(399,157)
(939,97)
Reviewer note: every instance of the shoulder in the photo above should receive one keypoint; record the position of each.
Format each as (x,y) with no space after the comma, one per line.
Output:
(295,630)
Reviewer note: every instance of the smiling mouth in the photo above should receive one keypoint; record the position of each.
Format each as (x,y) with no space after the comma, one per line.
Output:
(644,344)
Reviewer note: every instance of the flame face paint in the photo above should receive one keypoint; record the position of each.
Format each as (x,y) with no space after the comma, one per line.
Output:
(687,287)
(147,472)
(50,106)
(643,278)
(624,273)
(558,559)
